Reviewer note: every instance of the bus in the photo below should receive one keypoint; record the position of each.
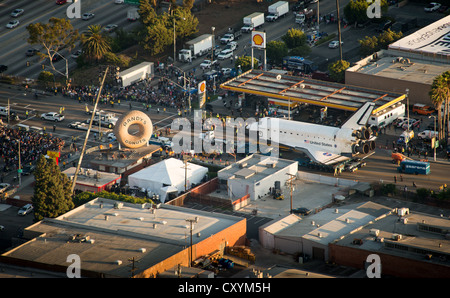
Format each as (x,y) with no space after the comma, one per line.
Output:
(414,167)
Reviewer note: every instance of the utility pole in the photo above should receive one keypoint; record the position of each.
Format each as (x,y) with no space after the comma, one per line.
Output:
(133,266)
(185,160)
(339,29)
(291,186)
(88,131)
(191,221)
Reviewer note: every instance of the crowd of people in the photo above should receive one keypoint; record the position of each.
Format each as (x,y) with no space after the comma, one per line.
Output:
(168,89)
(32,146)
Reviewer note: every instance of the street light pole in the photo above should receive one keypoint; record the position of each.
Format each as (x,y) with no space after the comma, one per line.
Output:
(434,135)
(213,43)
(174,42)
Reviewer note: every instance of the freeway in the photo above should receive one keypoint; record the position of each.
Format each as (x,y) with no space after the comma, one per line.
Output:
(14,41)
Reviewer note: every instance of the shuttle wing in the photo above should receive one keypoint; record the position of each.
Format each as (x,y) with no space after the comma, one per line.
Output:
(323,157)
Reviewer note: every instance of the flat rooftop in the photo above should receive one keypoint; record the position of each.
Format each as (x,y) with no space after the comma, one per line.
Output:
(91,177)
(115,233)
(315,92)
(415,242)
(413,70)
(329,224)
(254,168)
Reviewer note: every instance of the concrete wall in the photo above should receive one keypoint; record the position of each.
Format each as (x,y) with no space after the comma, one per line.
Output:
(418,92)
(390,264)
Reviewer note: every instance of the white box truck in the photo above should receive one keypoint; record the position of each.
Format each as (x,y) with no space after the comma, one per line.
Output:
(253,21)
(277,10)
(195,48)
(136,73)
(132,14)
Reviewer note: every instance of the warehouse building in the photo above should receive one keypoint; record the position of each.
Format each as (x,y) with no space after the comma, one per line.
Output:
(256,175)
(110,237)
(410,245)
(311,235)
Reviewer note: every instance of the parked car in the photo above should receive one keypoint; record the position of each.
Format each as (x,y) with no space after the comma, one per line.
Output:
(225,54)
(301,210)
(28,208)
(12,24)
(412,123)
(433,6)
(226,71)
(31,52)
(87,16)
(384,26)
(110,28)
(52,116)
(334,44)
(17,12)
(118,1)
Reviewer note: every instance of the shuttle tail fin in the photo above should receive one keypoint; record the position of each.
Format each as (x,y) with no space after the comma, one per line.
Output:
(360,117)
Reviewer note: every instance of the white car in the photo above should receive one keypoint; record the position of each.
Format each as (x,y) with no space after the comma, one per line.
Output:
(334,44)
(433,6)
(28,208)
(226,71)
(52,116)
(12,24)
(412,123)
(17,12)
(118,1)
(232,46)
(110,28)
(87,16)
(2,228)
(207,63)
(225,54)
(76,54)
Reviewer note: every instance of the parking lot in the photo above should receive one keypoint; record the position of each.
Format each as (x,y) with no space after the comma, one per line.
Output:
(13,225)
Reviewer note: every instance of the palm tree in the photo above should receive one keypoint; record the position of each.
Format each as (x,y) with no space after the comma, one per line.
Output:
(439,94)
(95,44)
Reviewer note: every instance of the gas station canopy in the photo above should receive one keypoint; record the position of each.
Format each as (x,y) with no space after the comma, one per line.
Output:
(306,90)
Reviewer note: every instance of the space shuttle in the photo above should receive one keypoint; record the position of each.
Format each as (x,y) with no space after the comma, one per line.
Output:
(323,144)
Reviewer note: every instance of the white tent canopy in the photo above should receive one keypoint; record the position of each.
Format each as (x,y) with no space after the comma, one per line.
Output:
(167,176)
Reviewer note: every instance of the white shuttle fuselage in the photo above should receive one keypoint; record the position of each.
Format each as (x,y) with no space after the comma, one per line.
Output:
(323,144)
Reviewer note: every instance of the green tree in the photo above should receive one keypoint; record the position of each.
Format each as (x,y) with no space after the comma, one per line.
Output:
(52,190)
(46,78)
(337,70)
(276,50)
(95,43)
(440,95)
(245,63)
(157,37)
(371,44)
(54,36)
(356,10)
(294,38)
(147,13)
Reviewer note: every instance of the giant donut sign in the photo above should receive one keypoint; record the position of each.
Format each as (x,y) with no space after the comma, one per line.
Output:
(144,125)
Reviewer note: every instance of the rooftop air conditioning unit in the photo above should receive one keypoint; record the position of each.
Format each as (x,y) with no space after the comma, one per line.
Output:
(374,232)
(396,237)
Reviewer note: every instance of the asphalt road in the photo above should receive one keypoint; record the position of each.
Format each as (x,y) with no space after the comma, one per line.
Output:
(14,41)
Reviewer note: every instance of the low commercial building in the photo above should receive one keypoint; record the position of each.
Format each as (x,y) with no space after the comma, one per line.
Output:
(311,235)
(92,180)
(111,237)
(409,245)
(387,71)
(256,175)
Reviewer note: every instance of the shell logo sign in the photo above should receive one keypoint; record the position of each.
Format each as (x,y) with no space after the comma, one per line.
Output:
(202,87)
(258,39)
